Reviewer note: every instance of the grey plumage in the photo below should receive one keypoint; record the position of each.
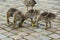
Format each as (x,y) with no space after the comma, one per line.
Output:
(47,16)
(18,16)
(10,13)
(29,3)
(32,14)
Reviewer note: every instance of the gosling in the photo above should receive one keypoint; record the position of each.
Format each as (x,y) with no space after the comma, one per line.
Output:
(10,13)
(29,3)
(17,15)
(32,14)
(47,16)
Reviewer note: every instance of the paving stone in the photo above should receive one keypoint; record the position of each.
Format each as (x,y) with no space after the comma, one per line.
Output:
(55,39)
(32,28)
(45,32)
(58,29)
(15,37)
(8,34)
(7,39)
(2,31)
(55,36)
(3,26)
(35,34)
(4,19)
(2,36)
(15,32)
(38,30)
(4,22)
(8,29)
(54,26)
(58,32)
(30,38)
(52,29)
(0,28)
(22,29)
(21,39)
(0,23)
(28,31)
(22,33)
(42,37)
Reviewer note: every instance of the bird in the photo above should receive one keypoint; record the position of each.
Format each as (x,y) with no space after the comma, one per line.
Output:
(32,14)
(29,3)
(47,16)
(10,13)
(17,15)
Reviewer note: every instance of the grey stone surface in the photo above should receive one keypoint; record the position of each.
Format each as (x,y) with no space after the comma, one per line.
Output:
(44,37)
(2,36)
(27,32)
(55,36)
(6,39)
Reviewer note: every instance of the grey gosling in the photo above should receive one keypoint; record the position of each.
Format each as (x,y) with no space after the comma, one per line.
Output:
(29,3)
(18,16)
(47,16)
(32,14)
(10,13)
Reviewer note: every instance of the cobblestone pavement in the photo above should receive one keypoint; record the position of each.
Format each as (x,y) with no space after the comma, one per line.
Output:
(28,32)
